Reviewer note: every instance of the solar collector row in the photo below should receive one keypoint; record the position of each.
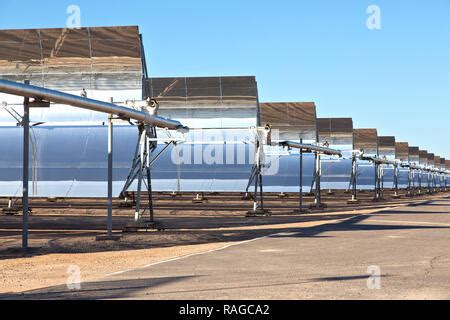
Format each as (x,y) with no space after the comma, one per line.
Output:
(70,160)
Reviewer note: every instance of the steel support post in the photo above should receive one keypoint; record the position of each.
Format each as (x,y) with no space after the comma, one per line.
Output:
(317,194)
(317,199)
(258,201)
(255,194)
(149,180)
(375,198)
(433,182)
(25,170)
(355,178)
(134,167)
(419,174)
(411,183)
(428,183)
(247,195)
(258,207)
(178,164)
(313,182)
(137,214)
(396,178)
(300,180)
(410,179)
(261,198)
(300,194)
(379,183)
(110,175)
(354,181)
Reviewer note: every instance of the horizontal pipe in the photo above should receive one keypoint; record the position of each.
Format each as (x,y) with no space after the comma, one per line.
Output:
(424,168)
(311,148)
(378,160)
(39,93)
(412,166)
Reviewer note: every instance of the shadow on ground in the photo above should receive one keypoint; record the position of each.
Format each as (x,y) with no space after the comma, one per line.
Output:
(94,290)
(49,240)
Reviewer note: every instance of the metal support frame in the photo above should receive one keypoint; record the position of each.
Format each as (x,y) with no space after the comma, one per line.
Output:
(256,178)
(43,97)
(379,174)
(109,220)
(354,180)
(25,171)
(110,175)
(376,195)
(419,175)
(435,184)
(300,184)
(300,205)
(258,201)
(429,182)
(411,188)
(247,194)
(313,182)
(318,150)
(317,193)
(141,170)
(199,197)
(379,177)
(177,193)
(396,181)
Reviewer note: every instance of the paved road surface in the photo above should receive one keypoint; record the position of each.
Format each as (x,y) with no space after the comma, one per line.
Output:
(409,245)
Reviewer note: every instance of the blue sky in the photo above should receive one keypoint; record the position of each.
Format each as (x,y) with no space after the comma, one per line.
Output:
(395,79)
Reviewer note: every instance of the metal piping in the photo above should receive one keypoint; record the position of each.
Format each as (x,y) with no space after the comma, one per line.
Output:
(39,93)
(411,166)
(424,168)
(378,160)
(311,148)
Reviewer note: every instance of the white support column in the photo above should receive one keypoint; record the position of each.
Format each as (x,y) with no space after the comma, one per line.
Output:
(110,174)
(25,171)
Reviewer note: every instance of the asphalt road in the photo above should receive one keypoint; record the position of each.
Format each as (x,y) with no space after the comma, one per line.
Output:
(400,253)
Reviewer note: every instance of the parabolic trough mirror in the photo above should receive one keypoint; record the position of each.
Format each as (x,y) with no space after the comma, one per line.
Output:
(402,155)
(68,145)
(414,159)
(366,140)
(290,121)
(336,133)
(218,152)
(447,167)
(423,161)
(386,150)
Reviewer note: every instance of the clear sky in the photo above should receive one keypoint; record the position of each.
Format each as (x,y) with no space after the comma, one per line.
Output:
(395,79)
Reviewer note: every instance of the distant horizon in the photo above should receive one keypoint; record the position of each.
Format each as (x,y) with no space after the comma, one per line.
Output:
(394,77)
